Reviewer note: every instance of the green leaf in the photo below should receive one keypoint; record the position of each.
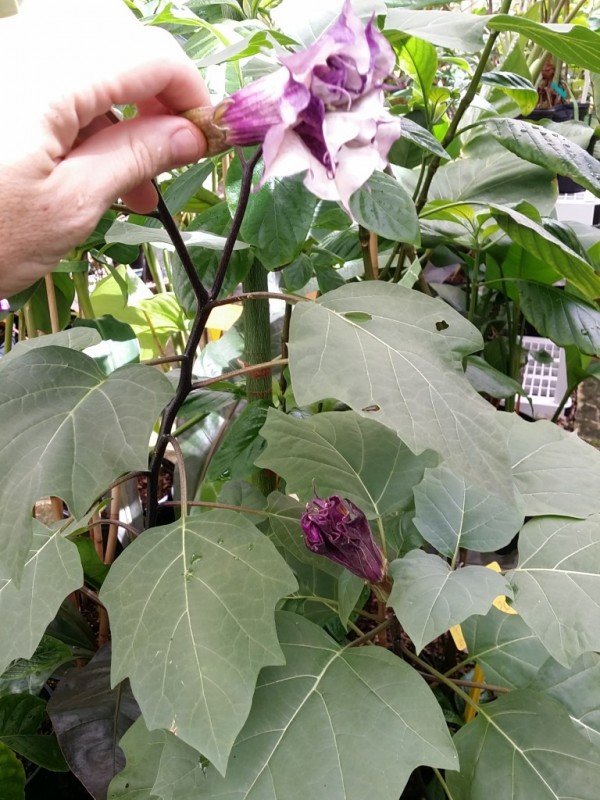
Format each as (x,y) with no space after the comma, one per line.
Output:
(302,732)
(89,717)
(505,646)
(382,205)
(52,570)
(240,446)
(429,598)
(316,16)
(345,454)
(562,317)
(525,746)
(418,59)
(206,588)
(453,514)
(520,89)
(129,233)
(485,378)
(57,404)
(497,177)
(278,217)
(350,589)
(547,149)
(119,345)
(422,138)
(409,365)
(451,29)
(185,186)
(555,472)
(573,44)
(540,243)
(576,688)
(21,716)
(74,339)
(142,749)
(28,676)
(557,584)
(13,775)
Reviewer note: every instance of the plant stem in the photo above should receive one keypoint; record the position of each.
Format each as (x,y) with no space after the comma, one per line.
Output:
(30,321)
(366,637)
(364,237)
(154,268)
(570,389)
(463,106)
(442,783)
(238,298)
(182,476)
(278,362)
(8,333)
(52,307)
(439,675)
(82,289)
(257,336)
(205,302)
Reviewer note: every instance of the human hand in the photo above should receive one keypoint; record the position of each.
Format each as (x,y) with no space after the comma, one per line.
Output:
(62,162)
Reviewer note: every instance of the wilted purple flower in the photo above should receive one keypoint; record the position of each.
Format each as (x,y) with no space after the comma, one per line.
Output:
(337,529)
(322,113)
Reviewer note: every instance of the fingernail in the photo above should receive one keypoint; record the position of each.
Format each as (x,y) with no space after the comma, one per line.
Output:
(185,146)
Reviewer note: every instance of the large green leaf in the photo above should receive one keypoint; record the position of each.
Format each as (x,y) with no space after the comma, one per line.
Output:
(382,205)
(524,746)
(577,689)
(561,316)
(28,676)
(418,59)
(240,445)
(499,177)
(143,750)
(21,718)
(540,243)
(278,217)
(89,718)
(52,570)
(451,513)
(71,430)
(429,598)
(128,233)
(345,454)
(303,732)
(574,44)
(395,355)
(199,627)
(518,88)
(557,584)
(454,30)
(555,472)
(547,149)
(13,775)
(422,138)
(74,339)
(506,647)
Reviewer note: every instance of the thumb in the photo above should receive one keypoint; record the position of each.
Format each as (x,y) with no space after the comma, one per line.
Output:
(120,160)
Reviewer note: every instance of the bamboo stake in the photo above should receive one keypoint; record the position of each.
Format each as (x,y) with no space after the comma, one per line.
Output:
(52,307)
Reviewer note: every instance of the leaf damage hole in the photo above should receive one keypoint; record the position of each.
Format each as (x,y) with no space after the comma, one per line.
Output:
(442,325)
(374,407)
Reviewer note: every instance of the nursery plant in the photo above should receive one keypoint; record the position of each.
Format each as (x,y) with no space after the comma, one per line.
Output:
(280,468)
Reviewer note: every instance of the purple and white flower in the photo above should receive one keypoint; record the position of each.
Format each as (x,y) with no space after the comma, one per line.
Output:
(322,113)
(337,529)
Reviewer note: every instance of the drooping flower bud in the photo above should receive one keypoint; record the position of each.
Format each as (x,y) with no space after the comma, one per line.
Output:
(337,529)
(321,114)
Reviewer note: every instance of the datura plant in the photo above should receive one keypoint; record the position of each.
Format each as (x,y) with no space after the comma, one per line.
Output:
(296,533)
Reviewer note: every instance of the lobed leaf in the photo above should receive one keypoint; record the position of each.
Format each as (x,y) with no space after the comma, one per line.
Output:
(199,627)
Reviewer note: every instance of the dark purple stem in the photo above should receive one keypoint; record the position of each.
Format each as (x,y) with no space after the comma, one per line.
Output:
(205,306)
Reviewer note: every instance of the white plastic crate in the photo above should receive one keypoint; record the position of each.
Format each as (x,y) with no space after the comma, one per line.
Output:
(546,383)
(577,207)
